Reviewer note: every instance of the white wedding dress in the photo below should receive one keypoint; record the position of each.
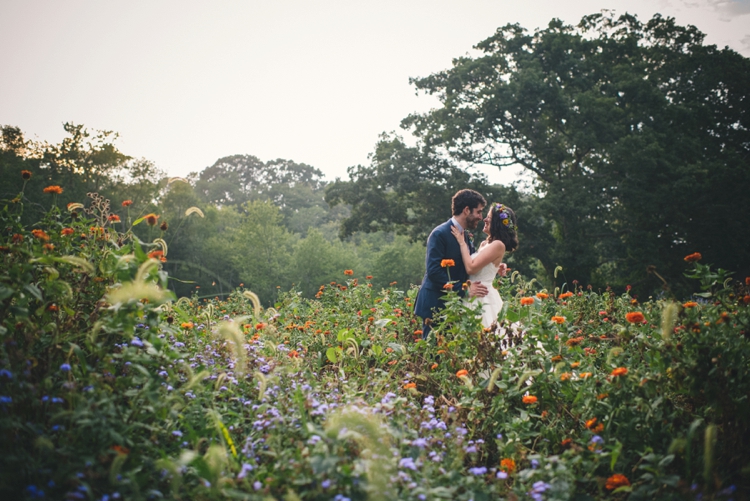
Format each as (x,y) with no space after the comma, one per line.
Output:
(492,303)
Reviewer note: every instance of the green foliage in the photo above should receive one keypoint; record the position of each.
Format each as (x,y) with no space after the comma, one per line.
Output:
(109,387)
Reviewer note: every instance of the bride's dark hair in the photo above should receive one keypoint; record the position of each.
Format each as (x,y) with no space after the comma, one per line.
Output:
(503,228)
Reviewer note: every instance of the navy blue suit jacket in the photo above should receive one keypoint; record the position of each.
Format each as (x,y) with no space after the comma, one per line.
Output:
(441,244)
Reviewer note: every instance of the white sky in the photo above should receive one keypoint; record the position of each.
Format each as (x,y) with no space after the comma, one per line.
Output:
(187,82)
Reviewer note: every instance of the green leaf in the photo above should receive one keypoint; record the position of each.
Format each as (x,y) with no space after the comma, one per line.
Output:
(333,355)
(34,291)
(512,316)
(615,455)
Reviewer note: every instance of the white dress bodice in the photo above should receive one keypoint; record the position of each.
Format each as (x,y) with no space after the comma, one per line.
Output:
(492,303)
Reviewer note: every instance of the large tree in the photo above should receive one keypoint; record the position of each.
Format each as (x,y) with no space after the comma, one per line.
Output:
(636,134)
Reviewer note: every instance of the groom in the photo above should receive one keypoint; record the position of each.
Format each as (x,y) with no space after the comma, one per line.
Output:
(467,206)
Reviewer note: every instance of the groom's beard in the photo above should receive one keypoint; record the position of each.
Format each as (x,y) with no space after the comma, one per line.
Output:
(471,224)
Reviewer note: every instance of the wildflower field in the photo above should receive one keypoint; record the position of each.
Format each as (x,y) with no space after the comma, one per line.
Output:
(111,388)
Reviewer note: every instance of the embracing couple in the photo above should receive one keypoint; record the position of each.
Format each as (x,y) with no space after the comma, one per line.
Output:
(451,242)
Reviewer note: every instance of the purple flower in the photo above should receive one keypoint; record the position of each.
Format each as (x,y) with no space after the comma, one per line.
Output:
(419,442)
(478,470)
(325,484)
(6,373)
(502,475)
(257,485)
(407,462)
(246,467)
(65,367)
(136,342)
(177,433)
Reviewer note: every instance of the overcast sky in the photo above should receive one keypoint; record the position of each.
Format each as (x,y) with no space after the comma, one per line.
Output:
(187,82)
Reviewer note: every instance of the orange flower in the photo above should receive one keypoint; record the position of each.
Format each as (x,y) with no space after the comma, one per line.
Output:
(151,219)
(368,277)
(448,286)
(602,396)
(565,295)
(695,256)
(120,449)
(433,367)
(17,238)
(565,376)
(566,442)
(294,354)
(52,307)
(40,234)
(747,280)
(529,399)
(574,365)
(542,295)
(447,262)
(525,301)
(53,189)
(556,358)
(186,325)
(127,203)
(690,304)
(617,480)
(260,326)
(67,231)
(620,371)
(49,247)
(558,320)
(408,386)
(417,332)
(462,373)
(157,254)
(574,341)
(635,317)
(591,423)
(508,465)
(113,218)
(584,375)
(348,272)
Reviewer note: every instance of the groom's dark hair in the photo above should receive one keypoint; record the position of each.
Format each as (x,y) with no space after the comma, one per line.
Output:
(466,198)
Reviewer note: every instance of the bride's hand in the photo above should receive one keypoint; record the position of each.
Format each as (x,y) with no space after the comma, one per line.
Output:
(458,234)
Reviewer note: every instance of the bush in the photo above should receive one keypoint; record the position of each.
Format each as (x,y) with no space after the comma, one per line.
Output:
(109,388)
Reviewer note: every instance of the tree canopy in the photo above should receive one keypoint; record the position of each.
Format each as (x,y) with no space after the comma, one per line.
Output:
(636,135)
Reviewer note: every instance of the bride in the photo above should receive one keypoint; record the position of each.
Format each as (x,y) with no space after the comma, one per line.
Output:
(483,265)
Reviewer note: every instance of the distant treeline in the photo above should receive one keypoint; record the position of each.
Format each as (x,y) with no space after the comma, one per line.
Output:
(637,136)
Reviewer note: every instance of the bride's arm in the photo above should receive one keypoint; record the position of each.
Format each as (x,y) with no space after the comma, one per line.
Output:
(490,252)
